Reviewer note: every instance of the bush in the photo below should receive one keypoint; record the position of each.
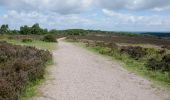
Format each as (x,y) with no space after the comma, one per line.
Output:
(26,40)
(18,66)
(49,38)
(166,47)
(162,64)
(166,63)
(134,52)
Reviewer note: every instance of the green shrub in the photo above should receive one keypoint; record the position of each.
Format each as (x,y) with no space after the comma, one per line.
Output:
(49,38)
(166,47)
(162,64)
(166,63)
(104,51)
(134,52)
(10,37)
(26,40)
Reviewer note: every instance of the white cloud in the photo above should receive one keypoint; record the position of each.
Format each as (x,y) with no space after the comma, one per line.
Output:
(59,6)
(134,4)
(49,20)
(129,19)
(78,6)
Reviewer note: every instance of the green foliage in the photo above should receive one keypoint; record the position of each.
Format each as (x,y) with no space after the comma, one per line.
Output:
(49,38)
(14,32)
(166,47)
(75,32)
(35,43)
(26,40)
(19,65)
(35,29)
(24,30)
(54,31)
(162,64)
(4,29)
(134,52)
(126,34)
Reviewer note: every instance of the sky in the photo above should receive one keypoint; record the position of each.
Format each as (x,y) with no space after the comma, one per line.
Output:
(109,15)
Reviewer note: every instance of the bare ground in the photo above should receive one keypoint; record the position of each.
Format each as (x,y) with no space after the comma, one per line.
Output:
(82,75)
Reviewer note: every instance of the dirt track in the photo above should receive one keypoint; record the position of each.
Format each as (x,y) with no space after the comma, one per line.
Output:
(82,75)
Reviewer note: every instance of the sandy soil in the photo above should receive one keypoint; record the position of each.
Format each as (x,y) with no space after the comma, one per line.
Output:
(82,75)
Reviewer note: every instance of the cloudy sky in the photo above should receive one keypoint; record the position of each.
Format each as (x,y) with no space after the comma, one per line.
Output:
(112,15)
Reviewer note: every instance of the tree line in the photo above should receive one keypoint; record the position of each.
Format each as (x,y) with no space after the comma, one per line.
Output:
(24,30)
(35,29)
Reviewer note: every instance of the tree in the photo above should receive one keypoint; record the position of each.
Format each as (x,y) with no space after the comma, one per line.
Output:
(4,29)
(25,30)
(75,32)
(35,29)
(54,31)
(14,31)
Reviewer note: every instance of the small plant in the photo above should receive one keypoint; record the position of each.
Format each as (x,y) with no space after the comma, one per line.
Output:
(49,38)
(26,40)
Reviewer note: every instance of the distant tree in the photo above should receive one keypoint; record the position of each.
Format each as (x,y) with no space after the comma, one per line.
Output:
(4,29)
(75,32)
(24,30)
(35,29)
(53,31)
(14,31)
(45,31)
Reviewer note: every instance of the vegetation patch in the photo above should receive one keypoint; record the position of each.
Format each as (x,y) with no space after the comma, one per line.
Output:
(49,38)
(134,52)
(124,39)
(36,42)
(20,65)
(161,64)
(26,40)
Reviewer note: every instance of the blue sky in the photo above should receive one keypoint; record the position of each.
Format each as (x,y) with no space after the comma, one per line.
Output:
(111,15)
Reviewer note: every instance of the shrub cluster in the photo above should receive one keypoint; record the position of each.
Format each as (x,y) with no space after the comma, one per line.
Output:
(166,47)
(162,64)
(49,38)
(18,66)
(125,39)
(26,40)
(134,52)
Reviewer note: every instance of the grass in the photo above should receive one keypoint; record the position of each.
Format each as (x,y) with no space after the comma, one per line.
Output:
(32,87)
(136,66)
(35,43)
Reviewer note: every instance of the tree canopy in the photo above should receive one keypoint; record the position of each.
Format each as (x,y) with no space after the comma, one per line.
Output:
(4,29)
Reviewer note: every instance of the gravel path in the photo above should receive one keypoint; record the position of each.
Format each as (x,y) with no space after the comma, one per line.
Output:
(82,75)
